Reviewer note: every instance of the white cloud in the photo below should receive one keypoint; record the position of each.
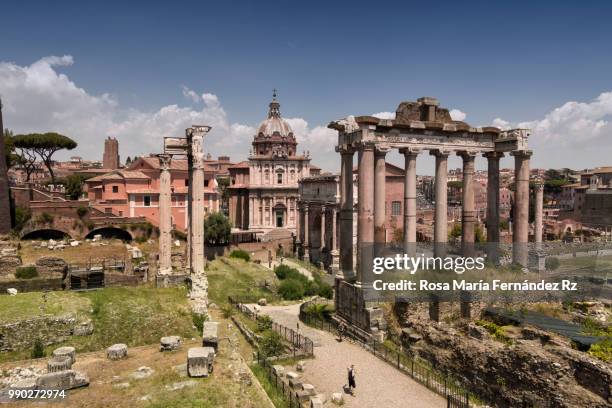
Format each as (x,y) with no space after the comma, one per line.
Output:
(38,97)
(576,134)
(456,114)
(384,115)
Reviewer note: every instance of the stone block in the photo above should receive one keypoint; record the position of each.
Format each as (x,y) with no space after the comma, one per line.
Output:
(11,291)
(63,380)
(65,352)
(302,396)
(200,361)
(337,398)
(84,328)
(279,370)
(292,375)
(170,343)
(309,388)
(315,402)
(300,366)
(117,351)
(210,335)
(295,383)
(142,373)
(262,302)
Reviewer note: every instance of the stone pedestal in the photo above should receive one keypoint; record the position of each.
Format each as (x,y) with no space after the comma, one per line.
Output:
(117,351)
(170,343)
(200,361)
(68,352)
(210,335)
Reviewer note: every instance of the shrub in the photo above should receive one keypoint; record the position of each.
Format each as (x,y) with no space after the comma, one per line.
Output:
(319,311)
(22,215)
(26,272)
(240,254)
(264,323)
(283,271)
(602,350)
(217,229)
(198,321)
(291,289)
(82,211)
(325,290)
(38,349)
(45,218)
(271,344)
(551,263)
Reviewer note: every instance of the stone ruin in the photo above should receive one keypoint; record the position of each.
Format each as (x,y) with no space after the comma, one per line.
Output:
(200,361)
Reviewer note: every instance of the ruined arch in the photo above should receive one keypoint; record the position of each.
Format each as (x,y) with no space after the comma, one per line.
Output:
(45,233)
(110,232)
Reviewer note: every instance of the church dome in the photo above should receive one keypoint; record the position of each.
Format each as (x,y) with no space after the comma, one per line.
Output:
(274,125)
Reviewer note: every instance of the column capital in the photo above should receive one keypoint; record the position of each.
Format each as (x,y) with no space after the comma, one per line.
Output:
(410,151)
(367,145)
(538,185)
(382,149)
(493,155)
(440,152)
(164,161)
(345,149)
(523,154)
(467,155)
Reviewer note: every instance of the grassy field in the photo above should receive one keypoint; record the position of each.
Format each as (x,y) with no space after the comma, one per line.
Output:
(135,315)
(236,277)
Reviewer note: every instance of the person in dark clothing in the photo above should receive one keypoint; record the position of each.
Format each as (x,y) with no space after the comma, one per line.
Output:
(351,379)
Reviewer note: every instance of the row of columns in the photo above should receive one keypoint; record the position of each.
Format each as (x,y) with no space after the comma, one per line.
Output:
(304,231)
(371,204)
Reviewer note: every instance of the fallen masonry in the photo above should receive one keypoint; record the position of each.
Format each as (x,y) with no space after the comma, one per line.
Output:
(200,361)
(170,343)
(63,380)
(210,335)
(117,351)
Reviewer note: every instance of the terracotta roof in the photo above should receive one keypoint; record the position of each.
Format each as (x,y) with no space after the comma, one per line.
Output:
(121,175)
(241,165)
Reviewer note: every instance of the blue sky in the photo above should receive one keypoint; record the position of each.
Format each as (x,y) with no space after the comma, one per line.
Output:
(514,61)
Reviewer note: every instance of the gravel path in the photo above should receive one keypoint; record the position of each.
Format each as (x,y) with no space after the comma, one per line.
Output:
(379,385)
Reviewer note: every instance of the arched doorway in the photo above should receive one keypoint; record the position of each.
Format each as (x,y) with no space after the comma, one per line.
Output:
(48,233)
(280,215)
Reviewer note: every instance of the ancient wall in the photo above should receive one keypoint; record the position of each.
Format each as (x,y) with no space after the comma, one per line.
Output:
(22,335)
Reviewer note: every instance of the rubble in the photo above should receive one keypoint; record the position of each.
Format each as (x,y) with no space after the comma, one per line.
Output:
(117,351)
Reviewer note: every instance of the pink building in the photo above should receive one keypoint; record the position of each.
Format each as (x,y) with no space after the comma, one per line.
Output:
(134,191)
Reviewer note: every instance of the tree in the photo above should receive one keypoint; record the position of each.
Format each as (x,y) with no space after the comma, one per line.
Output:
(43,145)
(74,185)
(217,229)
(128,161)
(9,149)
(222,185)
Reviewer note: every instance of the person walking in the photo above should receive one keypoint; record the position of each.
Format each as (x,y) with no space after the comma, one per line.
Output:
(341,329)
(351,380)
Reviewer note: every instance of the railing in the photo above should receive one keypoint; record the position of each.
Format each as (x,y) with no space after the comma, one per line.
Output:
(297,340)
(287,392)
(455,396)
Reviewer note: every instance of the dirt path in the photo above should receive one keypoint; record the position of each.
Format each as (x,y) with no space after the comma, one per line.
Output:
(379,385)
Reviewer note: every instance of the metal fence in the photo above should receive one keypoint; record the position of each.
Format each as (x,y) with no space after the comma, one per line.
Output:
(287,392)
(456,397)
(297,340)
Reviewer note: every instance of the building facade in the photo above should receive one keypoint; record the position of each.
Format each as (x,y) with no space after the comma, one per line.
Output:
(111,160)
(264,189)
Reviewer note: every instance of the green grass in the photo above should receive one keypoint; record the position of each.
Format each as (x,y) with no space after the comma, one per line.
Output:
(277,397)
(134,316)
(234,277)
(28,305)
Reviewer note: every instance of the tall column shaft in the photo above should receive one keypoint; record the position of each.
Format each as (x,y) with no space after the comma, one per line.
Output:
(468,213)
(165,216)
(365,217)
(539,212)
(521,207)
(440,214)
(323,242)
(306,233)
(5,210)
(493,205)
(380,231)
(410,205)
(346,214)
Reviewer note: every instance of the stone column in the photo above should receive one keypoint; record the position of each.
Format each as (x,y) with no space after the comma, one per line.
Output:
(306,233)
(165,215)
(539,213)
(493,205)
(410,206)
(5,212)
(199,281)
(520,236)
(380,231)
(365,217)
(468,216)
(298,229)
(441,215)
(346,214)
(335,258)
(323,243)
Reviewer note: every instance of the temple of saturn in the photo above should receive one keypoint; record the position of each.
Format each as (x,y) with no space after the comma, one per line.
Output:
(419,127)
(191,146)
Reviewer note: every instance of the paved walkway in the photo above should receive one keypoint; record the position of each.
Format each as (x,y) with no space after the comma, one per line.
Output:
(379,385)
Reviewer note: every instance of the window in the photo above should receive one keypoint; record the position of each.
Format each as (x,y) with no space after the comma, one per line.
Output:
(396,208)
(206,183)
(147,201)
(108,210)
(186,182)
(279,178)
(115,189)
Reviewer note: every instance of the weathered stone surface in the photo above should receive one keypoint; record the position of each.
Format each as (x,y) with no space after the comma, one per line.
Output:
(64,380)
(337,398)
(200,361)
(262,302)
(295,383)
(170,343)
(210,335)
(309,388)
(49,265)
(117,351)
(180,385)
(83,329)
(12,291)
(302,395)
(8,264)
(59,363)
(292,375)
(142,372)
(316,402)
(300,366)
(65,352)
(279,370)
